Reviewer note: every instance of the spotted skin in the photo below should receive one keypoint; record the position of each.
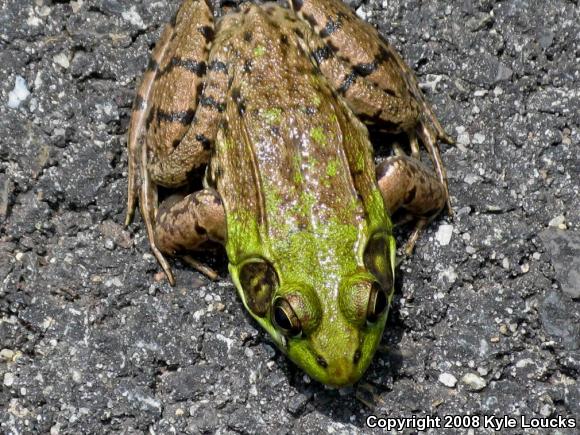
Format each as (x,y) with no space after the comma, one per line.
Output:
(181,106)
(184,222)
(161,125)
(412,191)
(377,84)
(268,103)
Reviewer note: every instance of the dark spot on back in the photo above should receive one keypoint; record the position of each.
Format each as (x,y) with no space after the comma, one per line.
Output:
(299,33)
(183,117)
(239,100)
(247,36)
(212,103)
(218,65)
(284,40)
(322,53)
(204,141)
(347,82)
(382,55)
(247,65)
(199,88)
(330,27)
(365,69)
(241,107)
(216,199)
(332,46)
(195,200)
(207,32)
(191,65)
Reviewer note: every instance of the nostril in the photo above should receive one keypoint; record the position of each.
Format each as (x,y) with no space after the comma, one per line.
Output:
(356,357)
(321,362)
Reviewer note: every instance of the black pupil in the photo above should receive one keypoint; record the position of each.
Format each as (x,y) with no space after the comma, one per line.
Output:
(282,319)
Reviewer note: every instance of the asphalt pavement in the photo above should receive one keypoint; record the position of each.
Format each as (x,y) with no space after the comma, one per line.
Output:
(485,327)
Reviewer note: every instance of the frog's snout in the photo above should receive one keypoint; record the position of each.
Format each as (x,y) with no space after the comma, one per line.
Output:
(343,373)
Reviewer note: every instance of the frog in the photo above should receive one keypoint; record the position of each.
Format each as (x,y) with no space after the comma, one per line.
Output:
(271,105)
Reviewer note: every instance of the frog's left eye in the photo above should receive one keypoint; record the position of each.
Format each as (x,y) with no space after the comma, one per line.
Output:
(285,318)
(378,302)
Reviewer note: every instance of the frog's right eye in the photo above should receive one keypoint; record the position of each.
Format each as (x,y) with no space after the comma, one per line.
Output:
(285,318)
(378,302)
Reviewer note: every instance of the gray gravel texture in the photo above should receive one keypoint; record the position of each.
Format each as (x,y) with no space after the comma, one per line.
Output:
(93,338)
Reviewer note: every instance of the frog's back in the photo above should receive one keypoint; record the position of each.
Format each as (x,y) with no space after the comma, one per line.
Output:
(290,156)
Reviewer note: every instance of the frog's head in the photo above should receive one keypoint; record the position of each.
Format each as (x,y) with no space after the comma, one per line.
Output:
(325,308)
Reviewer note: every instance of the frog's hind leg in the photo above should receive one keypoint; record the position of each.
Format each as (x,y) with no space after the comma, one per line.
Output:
(174,151)
(374,80)
(412,190)
(186,222)
(164,108)
(140,112)
(196,145)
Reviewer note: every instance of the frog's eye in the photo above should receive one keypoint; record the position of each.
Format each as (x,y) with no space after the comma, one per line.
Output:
(378,302)
(377,259)
(259,282)
(285,318)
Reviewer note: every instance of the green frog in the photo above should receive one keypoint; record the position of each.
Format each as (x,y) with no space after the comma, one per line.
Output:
(271,103)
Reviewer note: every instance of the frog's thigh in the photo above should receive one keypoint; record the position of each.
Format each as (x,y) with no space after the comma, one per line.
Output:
(195,147)
(358,65)
(185,222)
(371,75)
(176,90)
(407,184)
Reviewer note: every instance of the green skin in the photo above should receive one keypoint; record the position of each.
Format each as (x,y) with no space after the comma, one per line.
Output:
(307,206)
(339,334)
(291,184)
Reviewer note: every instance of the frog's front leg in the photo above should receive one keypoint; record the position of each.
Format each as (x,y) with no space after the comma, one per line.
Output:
(184,223)
(411,189)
